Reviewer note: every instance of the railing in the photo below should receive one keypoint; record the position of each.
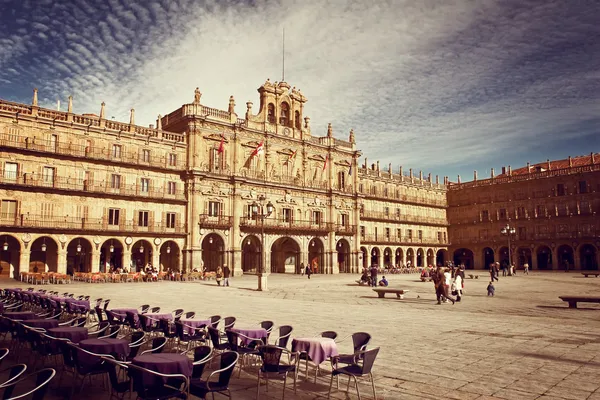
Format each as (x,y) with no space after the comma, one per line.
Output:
(87,224)
(592,235)
(345,229)
(402,240)
(292,225)
(91,152)
(342,143)
(383,216)
(11,107)
(73,184)
(216,221)
(407,199)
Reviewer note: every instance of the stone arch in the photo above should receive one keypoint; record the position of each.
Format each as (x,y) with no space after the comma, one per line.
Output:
(43,255)
(213,251)
(343,255)
(565,255)
(523,255)
(141,254)
(284,113)
(111,255)
(271,113)
(544,257)
(316,255)
(387,257)
(285,255)
(420,257)
(375,256)
(465,257)
(251,254)
(79,255)
(441,257)
(297,120)
(588,257)
(399,257)
(430,258)
(364,257)
(488,257)
(10,256)
(503,256)
(170,256)
(410,257)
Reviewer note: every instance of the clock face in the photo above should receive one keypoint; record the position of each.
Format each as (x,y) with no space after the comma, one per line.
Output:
(157,241)
(287,131)
(128,240)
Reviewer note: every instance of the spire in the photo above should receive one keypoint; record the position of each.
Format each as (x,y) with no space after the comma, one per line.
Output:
(35,98)
(132,117)
(329,130)
(231,105)
(159,122)
(70,106)
(102,110)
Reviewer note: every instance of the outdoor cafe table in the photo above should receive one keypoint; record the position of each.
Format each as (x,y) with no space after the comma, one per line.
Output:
(41,323)
(195,323)
(21,315)
(318,349)
(254,333)
(79,304)
(74,333)
(118,347)
(155,317)
(165,363)
(121,313)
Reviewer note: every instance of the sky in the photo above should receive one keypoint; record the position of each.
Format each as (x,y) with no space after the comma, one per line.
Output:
(443,86)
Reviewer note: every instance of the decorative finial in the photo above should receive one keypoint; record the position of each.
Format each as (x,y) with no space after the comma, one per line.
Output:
(352,139)
(306,122)
(132,117)
(593,158)
(459,179)
(549,165)
(492,173)
(231,105)
(159,122)
(70,106)
(102,110)
(197,96)
(570,162)
(329,130)
(35,97)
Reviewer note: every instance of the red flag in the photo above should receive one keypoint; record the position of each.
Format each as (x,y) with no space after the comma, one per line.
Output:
(221,145)
(325,164)
(258,150)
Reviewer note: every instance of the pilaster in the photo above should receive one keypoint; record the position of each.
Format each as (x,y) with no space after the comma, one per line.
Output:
(61,265)
(23,264)
(156,258)
(95,267)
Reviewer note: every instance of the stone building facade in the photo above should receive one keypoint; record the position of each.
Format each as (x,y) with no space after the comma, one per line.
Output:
(552,206)
(82,193)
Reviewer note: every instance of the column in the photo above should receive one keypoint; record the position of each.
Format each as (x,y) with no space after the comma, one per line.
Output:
(127,258)
(236,263)
(534,260)
(577,259)
(156,257)
(332,254)
(236,258)
(61,264)
(23,264)
(96,261)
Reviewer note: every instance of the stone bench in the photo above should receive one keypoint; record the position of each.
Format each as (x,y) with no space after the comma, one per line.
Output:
(595,273)
(381,291)
(573,300)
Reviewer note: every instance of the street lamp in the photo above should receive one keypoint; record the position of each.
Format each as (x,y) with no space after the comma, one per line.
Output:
(508,231)
(44,247)
(259,212)
(5,245)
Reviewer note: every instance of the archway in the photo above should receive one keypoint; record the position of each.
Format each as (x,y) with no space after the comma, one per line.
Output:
(141,254)
(488,257)
(441,257)
(251,254)
(544,257)
(343,255)
(465,257)
(79,256)
(399,257)
(170,256)
(420,256)
(43,256)
(315,255)
(503,256)
(523,256)
(375,256)
(111,255)
(10,256)
(587,257)
(565,256)
(213,252)
(285,256)
(387,257)
(364,253)
(430,259)
(410,258)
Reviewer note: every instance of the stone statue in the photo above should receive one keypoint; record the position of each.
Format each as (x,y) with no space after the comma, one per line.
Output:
(197,95)
(352,139)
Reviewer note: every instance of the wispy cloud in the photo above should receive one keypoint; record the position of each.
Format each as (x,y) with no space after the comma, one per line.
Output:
(444,86)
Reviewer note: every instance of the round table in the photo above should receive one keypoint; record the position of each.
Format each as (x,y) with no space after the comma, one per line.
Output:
(21,315)
(194,323)
(41,323)
(119,347)
(121,313)
(254,333)
(74,334)
(319,349)
(155,317)
(164,363)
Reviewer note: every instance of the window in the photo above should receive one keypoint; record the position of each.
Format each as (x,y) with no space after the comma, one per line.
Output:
(113,216)
(214,208)
(420,234)
(286,215)
(170,220)
(145,185)
(146,156)
(522,233)
(485,215)
(115,181)
(583,187)
(249,212)
(521,212)
(341,180)
(297,120)
(54,143)
(374,190)
(271,113)
(10,170)
(284,116)
(143,218)
(445,241)
(362,232)
(172,159)
(171,187)
(409,233)
(316,217)
(540,211)
(387,233)
(584,207)
(88,146)
(560,189)
(439,237)
(375,233)
(360,188)
(385,192)
(344,219)
(398,233)
(502,214)
(48,175)
(47,210)
(8,209)
(397,213)
(116,151)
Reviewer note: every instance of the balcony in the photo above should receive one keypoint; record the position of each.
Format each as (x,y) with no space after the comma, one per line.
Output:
(408,199)
(345,230)
(78,185)
(215,221)
(404,240)
(402,218)
(47,223)
(285,226)
(80,151)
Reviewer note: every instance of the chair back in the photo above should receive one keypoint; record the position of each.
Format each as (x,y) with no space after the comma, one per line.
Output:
(99,313)
(177,314)
(106,303)
(114,331)
(15,372)
(360,340)
(98,302)
(368,358)
(158,344)
(165,327)
(180,332)
(214,336)
(229,322)
(271,357)
(267,325)
(103,326)
(130,319)
(3,352)
(329,334)
(155,309)
(233,339)
(214,321)
(79,322)
(190,314)
(200,353)
(285,331)
(144,322)
(22,388)
(228,361)
(110,316)
(111,367)
(144,308)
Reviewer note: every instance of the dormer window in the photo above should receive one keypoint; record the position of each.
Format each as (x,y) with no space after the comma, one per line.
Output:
(271,113)
(284,116)
(297,120)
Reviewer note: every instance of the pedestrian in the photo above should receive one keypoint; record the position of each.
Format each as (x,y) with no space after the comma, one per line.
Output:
(503,269)
(447,283)
(219,276)
(226,274)
(513,269)
(526,269)
(302,269)
(308,271)
(383,282)
(491,289)
(435,278)
(457,286)
(566,265)
(374,275)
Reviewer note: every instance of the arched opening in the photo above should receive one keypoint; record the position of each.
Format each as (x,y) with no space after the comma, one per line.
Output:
(251,254)
(420,255)
(410,258)
(213,252)
(587,257)
(10,256)
(297,120)
(503,259)
(375,255)
(430,258)
(284,116)
(387,257)
(565,256)
(364,257)
(285,256)
(488,257)
(315,255)
(111,255)
(441,257)
(141,255)
(79,256)
(544,257)
(271,113)
(464,257)
(170,255)
(43,256)
(399,257)
(343,255)
(523,256)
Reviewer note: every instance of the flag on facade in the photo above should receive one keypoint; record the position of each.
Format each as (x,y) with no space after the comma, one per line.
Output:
(325,164)
(258,150)
(221,145)
(292,156)
(350,170)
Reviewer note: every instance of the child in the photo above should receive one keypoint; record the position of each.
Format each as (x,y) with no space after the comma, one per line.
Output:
(383,282)
(491,289)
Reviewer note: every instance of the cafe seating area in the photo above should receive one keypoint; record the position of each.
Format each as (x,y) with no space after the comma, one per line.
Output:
(56,345)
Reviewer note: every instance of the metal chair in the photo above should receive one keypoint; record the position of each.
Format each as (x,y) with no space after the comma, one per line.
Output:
(163,387)
(285,331)
(177,314)
(355,371)
(271,358)
(14,373)
(144,308)
(158,344)
(304,356)
(42,379)
(155,310)
(233,339)
(360,340)
(214,321)
(200,388)
(190,314)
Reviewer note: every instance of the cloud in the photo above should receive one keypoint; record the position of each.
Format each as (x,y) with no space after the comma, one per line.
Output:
(440,86)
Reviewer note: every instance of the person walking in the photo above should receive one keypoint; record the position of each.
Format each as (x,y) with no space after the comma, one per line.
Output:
(302,269)
(308,271)
(526,269)
(226,274)
(447,282)
(374,275)
(457,286)
(219,276)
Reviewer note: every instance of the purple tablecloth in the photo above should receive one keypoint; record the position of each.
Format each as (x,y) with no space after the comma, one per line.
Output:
(79,304)
(41,323)
(21,315)
(164,363)
(120,347)
(121,313)
(319,349)
(195,323)
(74,334)
(155,317)
(254,333)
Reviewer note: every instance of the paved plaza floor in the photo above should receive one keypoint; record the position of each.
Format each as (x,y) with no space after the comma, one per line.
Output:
(524,343)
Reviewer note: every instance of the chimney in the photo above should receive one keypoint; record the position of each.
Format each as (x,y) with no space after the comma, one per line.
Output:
(373,166)
(151,126)
(390,169)
(421,175)
(401,171)
(70,106)
(593,160)
(410,173)
(132,117)
(429,177)
(378,166)
(437,179)
(492,174)
(102,110)
(503,170)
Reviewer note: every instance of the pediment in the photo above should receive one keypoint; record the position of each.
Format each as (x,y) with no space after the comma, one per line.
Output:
(316,157)
(287,152)
(343,163)
(252,143)
(216,137)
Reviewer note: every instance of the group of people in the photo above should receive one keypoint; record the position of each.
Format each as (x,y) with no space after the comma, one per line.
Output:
(449,283)
(369,277)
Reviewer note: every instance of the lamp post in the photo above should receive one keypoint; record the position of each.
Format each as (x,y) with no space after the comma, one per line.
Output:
(508,231)
(260,212)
